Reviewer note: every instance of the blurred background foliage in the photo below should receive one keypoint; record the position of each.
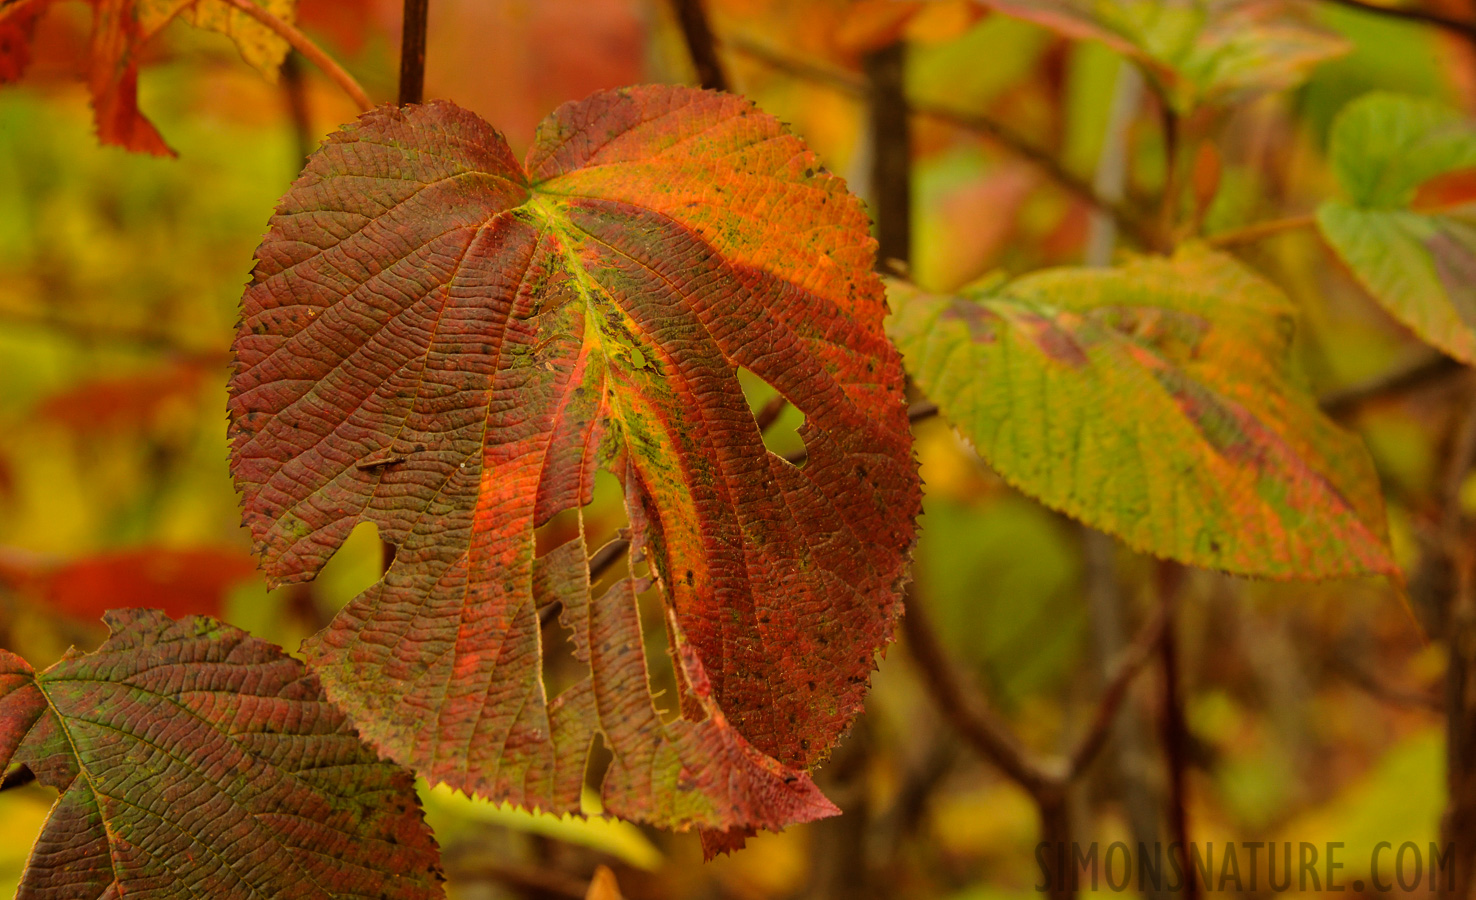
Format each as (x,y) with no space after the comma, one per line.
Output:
(1313,709)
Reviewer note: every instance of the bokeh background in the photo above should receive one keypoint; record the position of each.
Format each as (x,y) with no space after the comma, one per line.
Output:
(1313,709)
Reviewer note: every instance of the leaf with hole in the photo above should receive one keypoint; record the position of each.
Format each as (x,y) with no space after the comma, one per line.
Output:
(1153,402)
(194,760)
(489,334)
(1420,266)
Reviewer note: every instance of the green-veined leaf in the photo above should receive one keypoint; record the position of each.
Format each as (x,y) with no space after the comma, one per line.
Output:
(1203,51)
(1153,402)
(194,760)
(1420,266)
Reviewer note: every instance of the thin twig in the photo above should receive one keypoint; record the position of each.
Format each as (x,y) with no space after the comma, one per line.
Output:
(1175,729)
(1401,382)
(412,51)
(1259,230)
(891,153)
(1002,134)
(697,33)
(1132,661)
(1271,227)
(1168,210)
(967,713)
(294,96)
(1412,14)
(770,413)
(304,45)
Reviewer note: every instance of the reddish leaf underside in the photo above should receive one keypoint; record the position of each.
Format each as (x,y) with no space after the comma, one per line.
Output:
(195,760)
(448,344)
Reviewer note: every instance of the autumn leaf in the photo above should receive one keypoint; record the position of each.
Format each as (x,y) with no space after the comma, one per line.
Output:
(120,28)
(195,760)
(119,403)
(1420,266)
(180,581)
(1201,52)
(448,344)
(1153,402)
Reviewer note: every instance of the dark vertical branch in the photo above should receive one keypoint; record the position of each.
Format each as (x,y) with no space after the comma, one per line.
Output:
(1450,579)
(412,52)
(294,95)
(1175,729)
(697,32)
(891,161)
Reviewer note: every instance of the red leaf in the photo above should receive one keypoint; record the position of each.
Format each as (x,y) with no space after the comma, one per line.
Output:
(117,404)
(120,28)
(446,344)
(181,582)
(195,760)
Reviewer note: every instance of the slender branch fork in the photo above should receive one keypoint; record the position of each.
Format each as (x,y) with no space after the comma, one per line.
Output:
(311,51)
(982,727)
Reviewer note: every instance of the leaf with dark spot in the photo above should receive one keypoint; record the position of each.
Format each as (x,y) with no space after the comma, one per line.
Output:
(1172,422)
(527,325)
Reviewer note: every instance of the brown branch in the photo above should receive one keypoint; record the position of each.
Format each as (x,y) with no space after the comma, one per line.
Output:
(767,416)
(1175,728)
(412,51)
(1255,232)
(697,33)
(294,97)
(844,82)
(968,714)
(1347,402)
(1127,667)
(1259,230)
(891,153)
(304,45)
(1459,26)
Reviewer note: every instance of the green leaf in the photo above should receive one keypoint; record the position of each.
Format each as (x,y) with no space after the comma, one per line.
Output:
(1202,52)
(1153,402)
(1420,266)
(196,761)
(450,344)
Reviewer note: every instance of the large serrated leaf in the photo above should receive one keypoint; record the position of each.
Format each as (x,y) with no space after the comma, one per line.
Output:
(196,761)
(448,344)
(1153,402)
(1420,266)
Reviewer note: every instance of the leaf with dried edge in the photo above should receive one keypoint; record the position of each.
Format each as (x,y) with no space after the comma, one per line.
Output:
(1421,267)
(448,344)
(194,760)
(120,28)
(1153,402)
